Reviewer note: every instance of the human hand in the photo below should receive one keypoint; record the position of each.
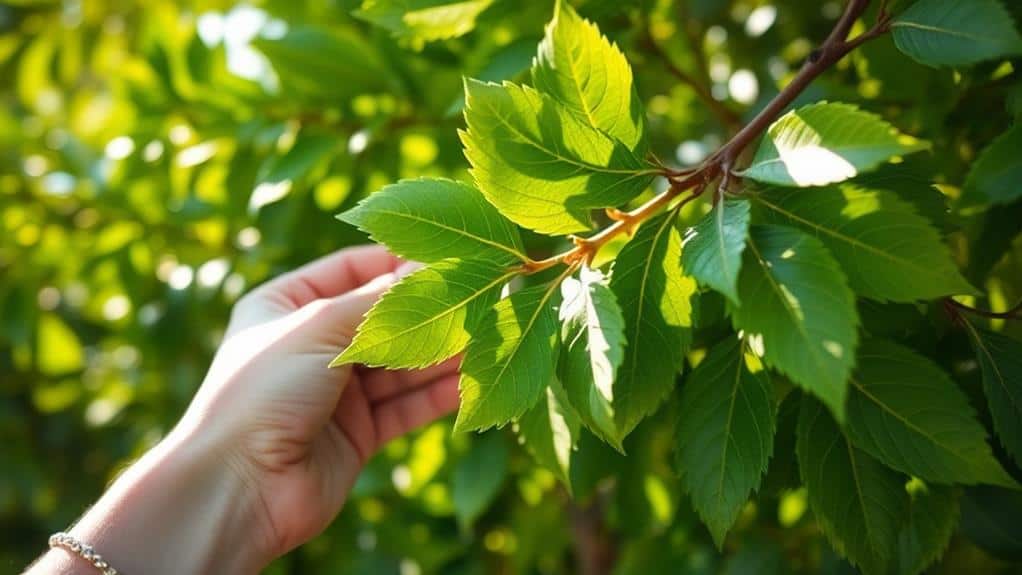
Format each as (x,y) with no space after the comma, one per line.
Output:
(273,441)
(299,433)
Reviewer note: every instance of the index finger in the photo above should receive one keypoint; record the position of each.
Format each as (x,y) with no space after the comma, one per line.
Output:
(332,275)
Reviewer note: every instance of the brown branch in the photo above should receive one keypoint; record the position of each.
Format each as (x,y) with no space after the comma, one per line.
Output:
(1014,313)
(721,163)
(728,117)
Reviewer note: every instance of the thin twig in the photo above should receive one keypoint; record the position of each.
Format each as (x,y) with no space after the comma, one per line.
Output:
(1014,313)
(721,163)
(728,117)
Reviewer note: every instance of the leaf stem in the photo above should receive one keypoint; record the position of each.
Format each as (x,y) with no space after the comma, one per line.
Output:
(720,164)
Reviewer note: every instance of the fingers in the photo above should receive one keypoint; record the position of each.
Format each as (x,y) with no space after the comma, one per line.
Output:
(403,413)
(383,384)
(332,275)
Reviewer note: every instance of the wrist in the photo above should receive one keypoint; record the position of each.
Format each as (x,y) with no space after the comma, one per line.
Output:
(182,508)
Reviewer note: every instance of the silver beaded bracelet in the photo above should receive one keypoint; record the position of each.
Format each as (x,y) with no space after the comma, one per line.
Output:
(83,550)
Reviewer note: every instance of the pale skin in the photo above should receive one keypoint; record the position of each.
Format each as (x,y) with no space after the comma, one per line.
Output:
(271,445)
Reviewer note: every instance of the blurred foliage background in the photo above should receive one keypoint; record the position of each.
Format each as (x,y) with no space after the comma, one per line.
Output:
(157,159)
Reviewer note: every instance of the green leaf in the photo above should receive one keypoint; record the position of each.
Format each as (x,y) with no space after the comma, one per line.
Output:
(430,219)
(550,429)
(426,317)
(994,177)
(593,344)
(725,434)
(887,251)
(931,523)
(312,62)
(478,477)
(424,20)
(826,143)
(956,32)
(859,503)
(905,411)
(713,248)
(1000,359)
(797,311)
(307,151)
(656,302)
(509,359)
(539,164)
(581,69)
(59,352)
(782,472)
(990,519)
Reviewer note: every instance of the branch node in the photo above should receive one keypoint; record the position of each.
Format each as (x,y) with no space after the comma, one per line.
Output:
(616,214)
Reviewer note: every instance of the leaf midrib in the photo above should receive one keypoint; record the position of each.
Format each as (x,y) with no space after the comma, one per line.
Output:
(458,231)
(577,163)
(779,293)
(448,311)
(848,239)
(907,423)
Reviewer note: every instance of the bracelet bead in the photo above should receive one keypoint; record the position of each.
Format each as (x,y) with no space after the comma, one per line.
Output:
(83,550)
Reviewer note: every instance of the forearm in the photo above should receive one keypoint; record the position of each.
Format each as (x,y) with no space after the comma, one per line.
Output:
(179,509)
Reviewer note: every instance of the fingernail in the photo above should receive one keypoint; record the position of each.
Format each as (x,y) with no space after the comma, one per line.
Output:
(407,268)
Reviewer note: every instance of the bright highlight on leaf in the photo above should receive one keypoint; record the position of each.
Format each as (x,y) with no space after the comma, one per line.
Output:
(581,69)
(424,20)
(426,317)
(713,248)
(956,32)
(826,143)
(550,430)
(887,251)
(593,346)
(539,164)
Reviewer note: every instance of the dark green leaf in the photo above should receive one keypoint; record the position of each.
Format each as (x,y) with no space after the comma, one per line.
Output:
(887,251)
(307,58)
(938,440)
(859,503)
(990,519)
(725,434)
(1000,359)
(994,177)
(956,32)
(931,523)
(478,477)
(797,311)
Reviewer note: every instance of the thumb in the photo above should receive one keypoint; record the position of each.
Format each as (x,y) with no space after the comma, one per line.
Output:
(332,322)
